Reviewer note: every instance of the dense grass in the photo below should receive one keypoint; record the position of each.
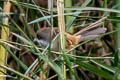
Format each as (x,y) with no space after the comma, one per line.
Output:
(93,59)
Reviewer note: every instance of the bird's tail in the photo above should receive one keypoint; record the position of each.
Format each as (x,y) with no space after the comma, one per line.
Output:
(92,33)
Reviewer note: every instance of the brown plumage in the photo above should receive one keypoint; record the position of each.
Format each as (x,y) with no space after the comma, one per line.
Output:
(43,37)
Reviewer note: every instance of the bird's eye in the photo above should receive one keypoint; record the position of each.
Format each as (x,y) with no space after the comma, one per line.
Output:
(38,36)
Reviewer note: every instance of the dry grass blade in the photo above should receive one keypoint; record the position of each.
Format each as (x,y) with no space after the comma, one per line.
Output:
(93,25)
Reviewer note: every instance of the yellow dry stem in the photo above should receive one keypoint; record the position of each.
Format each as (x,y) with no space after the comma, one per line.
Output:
(4,36)
(61,25)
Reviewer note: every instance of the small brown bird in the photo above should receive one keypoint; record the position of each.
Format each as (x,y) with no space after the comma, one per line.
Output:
(43,35)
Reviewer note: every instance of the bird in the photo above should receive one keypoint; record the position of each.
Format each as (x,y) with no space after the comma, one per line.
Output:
(43,37)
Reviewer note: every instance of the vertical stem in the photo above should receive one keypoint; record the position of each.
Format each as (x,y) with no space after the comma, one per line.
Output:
(61,23)
(61,26)
(105,3)
(4,36)
(50,7)
(117,34)
(117,41)
(68,3)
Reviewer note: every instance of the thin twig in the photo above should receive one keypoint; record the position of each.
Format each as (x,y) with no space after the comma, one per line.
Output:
(93,25)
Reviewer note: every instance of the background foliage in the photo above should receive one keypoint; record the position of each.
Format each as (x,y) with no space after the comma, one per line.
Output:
(95,59)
